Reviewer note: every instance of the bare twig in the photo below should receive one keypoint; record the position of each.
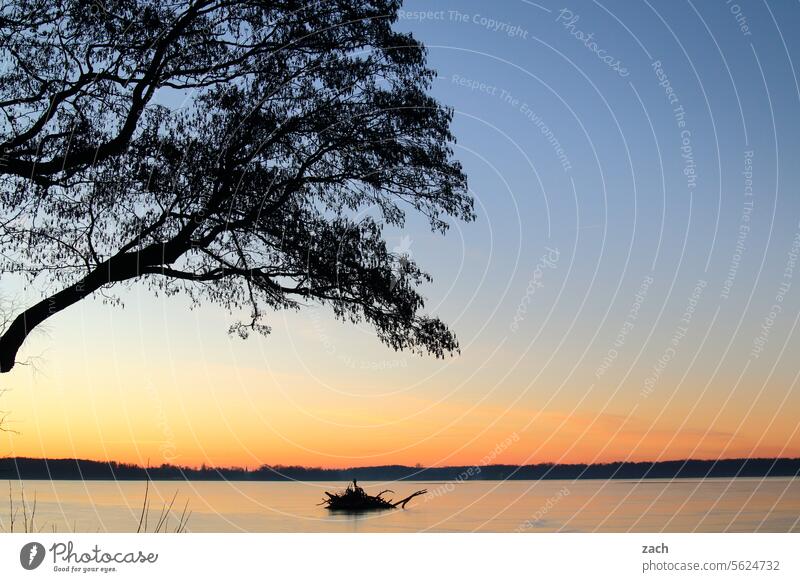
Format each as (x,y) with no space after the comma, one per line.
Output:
(24,510)
(181,522)
(162,523)
(33,514)
(165,513)
(144,507)
(11,512)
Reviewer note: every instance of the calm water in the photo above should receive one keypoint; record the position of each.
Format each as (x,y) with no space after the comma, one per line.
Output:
(713,505)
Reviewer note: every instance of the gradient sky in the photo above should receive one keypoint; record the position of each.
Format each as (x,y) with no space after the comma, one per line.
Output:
(599,299)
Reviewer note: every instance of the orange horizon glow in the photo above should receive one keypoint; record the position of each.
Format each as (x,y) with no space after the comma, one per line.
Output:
(155,427)
(188,399)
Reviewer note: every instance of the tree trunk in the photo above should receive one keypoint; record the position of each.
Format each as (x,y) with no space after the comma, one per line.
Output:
(25,322)
(118,268)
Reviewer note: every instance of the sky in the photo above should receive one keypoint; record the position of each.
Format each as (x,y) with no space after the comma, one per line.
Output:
(629,290)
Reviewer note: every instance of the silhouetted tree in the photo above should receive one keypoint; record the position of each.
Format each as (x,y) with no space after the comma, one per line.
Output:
(245,152)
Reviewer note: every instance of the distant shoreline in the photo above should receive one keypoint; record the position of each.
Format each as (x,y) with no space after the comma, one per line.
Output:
(24,468)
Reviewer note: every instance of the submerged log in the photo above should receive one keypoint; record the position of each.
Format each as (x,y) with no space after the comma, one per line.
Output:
(354,498)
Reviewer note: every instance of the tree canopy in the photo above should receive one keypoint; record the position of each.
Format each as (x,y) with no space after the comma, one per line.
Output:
(247,153)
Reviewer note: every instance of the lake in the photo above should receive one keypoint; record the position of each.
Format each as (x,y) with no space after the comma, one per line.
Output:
(680,505)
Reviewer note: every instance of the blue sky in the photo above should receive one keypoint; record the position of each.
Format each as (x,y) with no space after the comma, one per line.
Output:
(635,213)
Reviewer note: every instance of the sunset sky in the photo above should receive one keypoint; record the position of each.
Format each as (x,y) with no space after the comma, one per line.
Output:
(625,293)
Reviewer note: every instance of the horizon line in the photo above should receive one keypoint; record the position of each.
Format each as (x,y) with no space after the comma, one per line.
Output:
(419,467)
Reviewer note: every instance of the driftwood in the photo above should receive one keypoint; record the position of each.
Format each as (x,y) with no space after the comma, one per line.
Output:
(354,498)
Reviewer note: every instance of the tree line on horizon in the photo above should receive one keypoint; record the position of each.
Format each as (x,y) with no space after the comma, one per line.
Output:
(80,469)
